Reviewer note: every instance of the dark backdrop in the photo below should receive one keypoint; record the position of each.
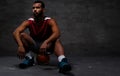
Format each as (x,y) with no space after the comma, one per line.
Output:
(88,27)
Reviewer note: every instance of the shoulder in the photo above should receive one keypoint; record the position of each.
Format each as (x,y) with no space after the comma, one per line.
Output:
(30,19)
(47,18)
(50,19)
(25,23)
(52,22)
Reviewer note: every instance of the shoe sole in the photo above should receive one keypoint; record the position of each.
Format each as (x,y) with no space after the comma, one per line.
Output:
(66,68)
(23,66)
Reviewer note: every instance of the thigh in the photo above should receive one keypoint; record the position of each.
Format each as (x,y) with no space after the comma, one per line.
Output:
(26,38)
(35,48)
(27,41)
(51,47)
(58,45)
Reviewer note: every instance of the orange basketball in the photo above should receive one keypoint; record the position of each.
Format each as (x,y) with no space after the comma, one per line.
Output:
(43,59)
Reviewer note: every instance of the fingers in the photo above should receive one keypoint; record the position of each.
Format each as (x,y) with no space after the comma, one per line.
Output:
(20,55)
(21,52)
(42,50)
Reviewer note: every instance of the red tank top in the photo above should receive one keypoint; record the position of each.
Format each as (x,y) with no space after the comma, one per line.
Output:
(40,32)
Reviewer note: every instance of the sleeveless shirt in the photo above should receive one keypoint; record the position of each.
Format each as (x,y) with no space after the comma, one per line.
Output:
(41,31)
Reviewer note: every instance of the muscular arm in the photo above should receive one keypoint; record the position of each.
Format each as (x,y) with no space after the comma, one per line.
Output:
(17,32)
(55,31)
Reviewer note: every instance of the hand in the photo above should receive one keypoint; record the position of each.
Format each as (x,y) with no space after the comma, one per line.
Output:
(21,52)
(43,47)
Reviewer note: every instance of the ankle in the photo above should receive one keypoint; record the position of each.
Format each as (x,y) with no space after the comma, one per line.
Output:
(60,58)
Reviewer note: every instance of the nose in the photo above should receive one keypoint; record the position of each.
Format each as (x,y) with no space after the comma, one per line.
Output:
(34,9)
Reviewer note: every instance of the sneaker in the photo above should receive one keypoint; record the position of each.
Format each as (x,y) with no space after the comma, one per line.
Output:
(64,66)
(26,63)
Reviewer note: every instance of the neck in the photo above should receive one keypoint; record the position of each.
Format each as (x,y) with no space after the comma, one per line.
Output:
(39,18)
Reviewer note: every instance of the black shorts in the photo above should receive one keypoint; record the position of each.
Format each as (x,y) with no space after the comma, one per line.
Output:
(35,48)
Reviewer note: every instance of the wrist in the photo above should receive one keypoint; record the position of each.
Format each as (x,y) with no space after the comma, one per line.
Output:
(20,46)
(46,41)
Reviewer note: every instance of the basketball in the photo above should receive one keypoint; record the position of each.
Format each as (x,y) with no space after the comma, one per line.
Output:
(42,59)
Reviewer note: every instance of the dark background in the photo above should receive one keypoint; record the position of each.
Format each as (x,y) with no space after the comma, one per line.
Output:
(88,27)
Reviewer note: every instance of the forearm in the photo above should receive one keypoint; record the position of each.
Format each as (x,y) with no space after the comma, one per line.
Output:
(53,37)
(17,38)
(55,31)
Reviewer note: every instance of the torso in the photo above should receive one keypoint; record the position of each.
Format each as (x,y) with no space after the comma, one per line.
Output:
(40,32)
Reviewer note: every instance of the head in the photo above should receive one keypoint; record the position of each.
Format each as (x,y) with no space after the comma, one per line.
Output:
(38,8)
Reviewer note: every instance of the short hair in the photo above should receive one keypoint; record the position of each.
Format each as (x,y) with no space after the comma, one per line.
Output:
(42,3)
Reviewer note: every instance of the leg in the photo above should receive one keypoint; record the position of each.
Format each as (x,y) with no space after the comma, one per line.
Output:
(64,66)
(27,41)
(59,50)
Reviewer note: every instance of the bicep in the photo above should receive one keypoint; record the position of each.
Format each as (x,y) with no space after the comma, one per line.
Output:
(54,26)
(22,26)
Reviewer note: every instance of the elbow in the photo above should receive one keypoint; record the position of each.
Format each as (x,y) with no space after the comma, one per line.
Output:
(14,32)
(59,34)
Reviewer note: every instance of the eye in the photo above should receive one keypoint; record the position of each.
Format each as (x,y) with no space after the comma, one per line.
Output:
(33,7)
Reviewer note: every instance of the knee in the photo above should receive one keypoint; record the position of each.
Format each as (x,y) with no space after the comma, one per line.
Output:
(57,41)
(23,35)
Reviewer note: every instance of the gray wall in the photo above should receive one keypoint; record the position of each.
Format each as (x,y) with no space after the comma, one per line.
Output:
(88,27)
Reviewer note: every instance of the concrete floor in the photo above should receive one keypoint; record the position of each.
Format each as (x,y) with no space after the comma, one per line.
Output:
(82,66)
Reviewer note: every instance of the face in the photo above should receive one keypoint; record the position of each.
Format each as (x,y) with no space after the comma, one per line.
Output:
(37,9)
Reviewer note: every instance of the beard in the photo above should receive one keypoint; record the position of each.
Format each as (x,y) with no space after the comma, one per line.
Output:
(37,16)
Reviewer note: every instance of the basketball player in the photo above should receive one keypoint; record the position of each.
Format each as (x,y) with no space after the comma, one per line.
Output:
(44,37)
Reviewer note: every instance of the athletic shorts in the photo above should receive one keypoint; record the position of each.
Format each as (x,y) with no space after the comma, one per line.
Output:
(35,48)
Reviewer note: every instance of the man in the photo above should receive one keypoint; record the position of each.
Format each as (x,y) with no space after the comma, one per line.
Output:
(43,37)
